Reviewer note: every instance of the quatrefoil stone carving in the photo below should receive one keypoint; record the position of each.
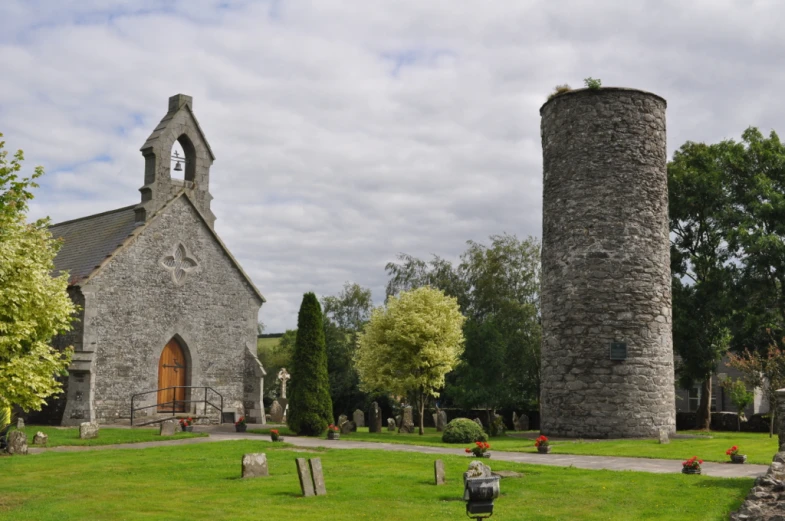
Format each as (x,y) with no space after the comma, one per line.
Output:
(179,263)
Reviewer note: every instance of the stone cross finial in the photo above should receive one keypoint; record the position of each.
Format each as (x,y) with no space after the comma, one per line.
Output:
(283,376)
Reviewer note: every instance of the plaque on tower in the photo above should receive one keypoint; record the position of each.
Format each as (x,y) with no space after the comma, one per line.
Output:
(618,351)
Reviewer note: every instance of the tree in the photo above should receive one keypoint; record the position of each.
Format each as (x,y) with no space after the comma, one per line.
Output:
(739,396)
(345,315)
(34,306)
(310,408)
(501,361)
(411,344)
(702,281)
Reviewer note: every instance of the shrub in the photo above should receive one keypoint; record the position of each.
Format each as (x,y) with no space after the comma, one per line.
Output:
(463,430)
(559,89)
(310,406)
(593,83)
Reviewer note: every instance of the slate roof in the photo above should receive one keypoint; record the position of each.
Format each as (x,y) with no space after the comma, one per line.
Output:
(88,241)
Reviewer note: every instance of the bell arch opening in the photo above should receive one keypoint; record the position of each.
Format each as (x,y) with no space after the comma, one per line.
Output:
(183,159)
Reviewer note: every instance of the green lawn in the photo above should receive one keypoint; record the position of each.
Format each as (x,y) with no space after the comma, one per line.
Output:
(758,447)
(201,482)
(106,436)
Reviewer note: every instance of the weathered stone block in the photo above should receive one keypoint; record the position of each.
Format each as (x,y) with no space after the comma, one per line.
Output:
(255,465)
(168,428)
(304,474)
(88,430)
(359,418)
(16,442)
(318,476)
(390,424)
(40,438)
(438,472)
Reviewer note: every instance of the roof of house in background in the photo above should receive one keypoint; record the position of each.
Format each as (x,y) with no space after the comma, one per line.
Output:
(88,241)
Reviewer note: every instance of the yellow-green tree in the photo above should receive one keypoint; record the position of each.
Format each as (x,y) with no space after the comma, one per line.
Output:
(34,306)
(411,344)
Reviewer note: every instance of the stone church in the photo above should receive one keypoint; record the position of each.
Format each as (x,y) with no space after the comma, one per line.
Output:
(166,309)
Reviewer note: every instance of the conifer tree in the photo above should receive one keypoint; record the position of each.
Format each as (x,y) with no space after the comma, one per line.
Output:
(310,407)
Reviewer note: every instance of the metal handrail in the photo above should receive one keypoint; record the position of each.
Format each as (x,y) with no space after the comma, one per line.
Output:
(175,402)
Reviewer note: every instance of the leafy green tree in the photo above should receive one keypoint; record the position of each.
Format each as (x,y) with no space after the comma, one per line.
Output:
(34,306)
(411,344)
(310,407)
(702,284)
(345,315)
(740,397)
(500,364)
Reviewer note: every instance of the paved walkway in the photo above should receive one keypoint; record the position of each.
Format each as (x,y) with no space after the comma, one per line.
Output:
(658,466)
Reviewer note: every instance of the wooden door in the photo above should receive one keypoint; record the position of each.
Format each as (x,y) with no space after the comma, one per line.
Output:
(171,373)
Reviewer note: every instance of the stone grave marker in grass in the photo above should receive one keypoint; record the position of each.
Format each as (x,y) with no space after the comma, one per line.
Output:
(304,474)
(168,428)
(438,472)
(88,430)
(359,418)
(255,465)
(318,476)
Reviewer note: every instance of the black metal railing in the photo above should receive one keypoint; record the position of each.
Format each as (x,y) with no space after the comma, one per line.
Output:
(175,403)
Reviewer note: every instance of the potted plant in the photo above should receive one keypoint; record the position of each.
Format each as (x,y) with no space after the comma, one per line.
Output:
(735,457)
(333,432)
(241,425)
(187,424)
(480,450)
(274,435)
(691,466)
(543,445)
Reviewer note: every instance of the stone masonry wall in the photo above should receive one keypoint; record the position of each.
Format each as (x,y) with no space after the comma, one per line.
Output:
(605,266)
(135,307)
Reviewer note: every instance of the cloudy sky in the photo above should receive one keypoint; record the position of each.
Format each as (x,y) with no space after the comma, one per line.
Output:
(347,131)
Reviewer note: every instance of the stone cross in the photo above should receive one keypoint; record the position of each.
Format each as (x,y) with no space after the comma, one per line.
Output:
(283,376)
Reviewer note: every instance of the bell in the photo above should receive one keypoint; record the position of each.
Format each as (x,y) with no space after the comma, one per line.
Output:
(178,167)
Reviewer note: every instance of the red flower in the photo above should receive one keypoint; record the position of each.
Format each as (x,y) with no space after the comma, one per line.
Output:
(468,451)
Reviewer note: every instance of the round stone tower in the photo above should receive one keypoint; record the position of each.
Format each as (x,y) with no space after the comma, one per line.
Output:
(607,356)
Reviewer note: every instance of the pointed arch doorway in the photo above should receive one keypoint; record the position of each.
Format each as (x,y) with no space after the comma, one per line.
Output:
(172,376)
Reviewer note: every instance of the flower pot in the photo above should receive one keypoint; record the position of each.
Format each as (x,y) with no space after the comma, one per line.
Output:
(738,458)
(332,435)
(690,470)
(240,428)
(544,450)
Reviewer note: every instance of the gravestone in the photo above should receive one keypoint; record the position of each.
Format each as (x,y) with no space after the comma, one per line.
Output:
(359,418)
(438,472)
(168,428)
(89,430)
(20,423)
(283,376)
(375,418)
(398,419)
(522,423)
(318,476)
(341,419)
(514,421)
(276,412)
(16,442)
(664,439)
(407,423)
(435,418)
(347,427)
(479,422)
(255,465)
(40,438)
(441,420)
(477,469)
(506,474)
(390,424)
(304,473)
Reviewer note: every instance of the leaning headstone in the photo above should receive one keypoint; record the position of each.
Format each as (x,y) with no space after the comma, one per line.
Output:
(664,439)
(441,420)
(347,427)
(359,418)
(506,474)
(479,422)
(255,465)
(522,423)
(438,472)
(16,442)
(20,423)
(407,423)
(304,473)
(168,428)
(375,418)
(89,430)
(318,476)
(276,412)
(390,424)
(40,438)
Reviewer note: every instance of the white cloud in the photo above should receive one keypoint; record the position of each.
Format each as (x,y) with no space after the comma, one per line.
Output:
(348,131)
